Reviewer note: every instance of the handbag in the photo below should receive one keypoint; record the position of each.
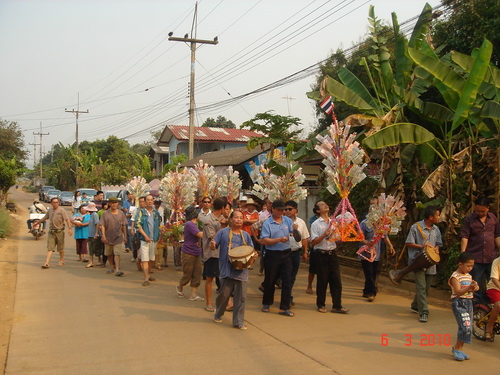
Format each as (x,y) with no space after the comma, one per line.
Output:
(136,242)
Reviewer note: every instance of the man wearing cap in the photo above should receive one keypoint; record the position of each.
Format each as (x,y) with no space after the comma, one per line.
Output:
(113,225)
(58,220)
(275,236)
(94,242)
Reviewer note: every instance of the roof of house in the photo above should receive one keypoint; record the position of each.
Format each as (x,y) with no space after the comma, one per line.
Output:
(205,134)
(159,149)
(231,156)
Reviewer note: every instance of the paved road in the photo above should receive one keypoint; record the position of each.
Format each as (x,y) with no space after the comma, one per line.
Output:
(72,320)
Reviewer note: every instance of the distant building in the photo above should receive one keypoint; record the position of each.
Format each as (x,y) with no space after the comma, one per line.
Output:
(176,138)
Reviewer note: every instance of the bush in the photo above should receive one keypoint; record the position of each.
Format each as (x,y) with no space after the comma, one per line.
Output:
(5,224)
(30,189)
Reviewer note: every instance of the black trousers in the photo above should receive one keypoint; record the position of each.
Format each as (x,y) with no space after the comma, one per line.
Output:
(278,264)
(370,269)
(328,274)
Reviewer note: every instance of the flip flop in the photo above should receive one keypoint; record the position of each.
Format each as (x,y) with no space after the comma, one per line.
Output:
(60,264)
(265,308)
(340,311)
(180,294)
(210,309)
(288,313)
(89,266)
(45,266)
(489,337)
(322,310)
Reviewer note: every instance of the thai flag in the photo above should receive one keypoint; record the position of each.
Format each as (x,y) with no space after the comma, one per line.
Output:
(327,105)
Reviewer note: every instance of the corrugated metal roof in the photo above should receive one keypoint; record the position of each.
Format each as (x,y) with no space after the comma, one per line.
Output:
(202,134)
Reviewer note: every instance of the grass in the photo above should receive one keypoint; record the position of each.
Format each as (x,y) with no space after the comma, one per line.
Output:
(5,223)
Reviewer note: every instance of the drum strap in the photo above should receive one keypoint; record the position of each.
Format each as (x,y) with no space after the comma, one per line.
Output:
(231,239)
(421,231)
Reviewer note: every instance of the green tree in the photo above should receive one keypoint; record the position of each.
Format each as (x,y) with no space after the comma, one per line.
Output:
(276,130)
(8,174)
(468,23)
(12,142)
(176,160)
(220,122)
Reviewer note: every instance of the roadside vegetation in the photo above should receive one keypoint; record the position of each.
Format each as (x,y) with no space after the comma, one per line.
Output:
(5,223)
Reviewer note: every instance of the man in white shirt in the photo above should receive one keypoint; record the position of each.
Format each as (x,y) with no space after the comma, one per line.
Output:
(328,268)
(297,247)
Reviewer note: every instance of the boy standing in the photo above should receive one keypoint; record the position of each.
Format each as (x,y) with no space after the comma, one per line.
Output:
(462,287)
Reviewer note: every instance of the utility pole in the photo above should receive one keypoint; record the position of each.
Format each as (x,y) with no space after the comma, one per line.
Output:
(193,42)
(288,98)
(77,112)
(41,156)
(34,151)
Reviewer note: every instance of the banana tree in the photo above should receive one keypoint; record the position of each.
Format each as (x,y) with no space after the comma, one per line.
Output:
(389,93)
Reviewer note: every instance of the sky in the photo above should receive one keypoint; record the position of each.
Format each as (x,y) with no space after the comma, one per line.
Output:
(113,59)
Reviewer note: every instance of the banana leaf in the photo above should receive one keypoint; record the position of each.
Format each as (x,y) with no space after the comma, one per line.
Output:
(466,62)
(402,63)
(439,70)
(353,82)
(421,27)
(398,133)
(345,94)
(470,90)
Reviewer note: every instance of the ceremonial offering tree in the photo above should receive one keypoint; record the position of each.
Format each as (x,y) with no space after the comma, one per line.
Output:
(206,179)
(138,186)
(383,218)
(344,164)
(229,184)
(281,182)
(177,191)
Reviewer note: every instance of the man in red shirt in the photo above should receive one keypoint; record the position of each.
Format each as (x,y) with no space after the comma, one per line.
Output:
(480,235)
(250,215)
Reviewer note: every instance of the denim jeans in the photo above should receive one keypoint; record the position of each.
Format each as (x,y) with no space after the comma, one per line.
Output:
(481,273)
(422,285)
(328,272)
(278,264)
(462,309)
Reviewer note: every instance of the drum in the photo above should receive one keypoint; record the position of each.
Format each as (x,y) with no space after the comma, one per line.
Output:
(242,257)
(425,259)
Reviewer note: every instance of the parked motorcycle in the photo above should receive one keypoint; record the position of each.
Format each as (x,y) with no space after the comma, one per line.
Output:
(36,229)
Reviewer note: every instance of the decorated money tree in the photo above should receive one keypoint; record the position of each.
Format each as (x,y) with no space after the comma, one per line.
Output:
(344,165)
(138,186)
(281,179)
(384,218)
(206,180)
(177,191)
(229,184)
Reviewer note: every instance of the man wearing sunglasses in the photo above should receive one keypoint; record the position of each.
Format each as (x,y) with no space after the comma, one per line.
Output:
(206,204)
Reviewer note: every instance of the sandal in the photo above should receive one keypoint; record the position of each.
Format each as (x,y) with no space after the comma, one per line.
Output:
(265,308)
(180,294)
(89,266)
(287,313)
(322,310)
(210,309)
(490,337)
(45,266)
(60,264)
(342,310)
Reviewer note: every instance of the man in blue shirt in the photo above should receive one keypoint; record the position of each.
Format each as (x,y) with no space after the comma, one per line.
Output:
(275,236)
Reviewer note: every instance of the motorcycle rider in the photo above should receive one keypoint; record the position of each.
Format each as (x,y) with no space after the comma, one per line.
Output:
(36,208)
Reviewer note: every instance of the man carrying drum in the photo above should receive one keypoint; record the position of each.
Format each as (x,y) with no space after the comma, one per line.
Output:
(233,282)
(423,236)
